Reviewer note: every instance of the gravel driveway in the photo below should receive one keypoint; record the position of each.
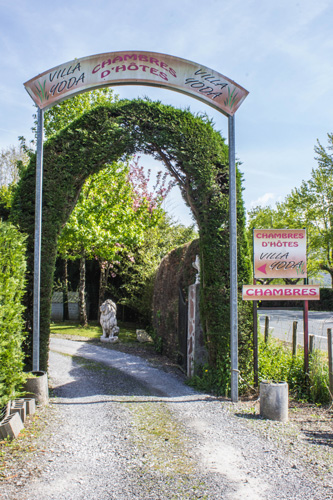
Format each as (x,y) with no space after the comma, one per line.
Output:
(119,428)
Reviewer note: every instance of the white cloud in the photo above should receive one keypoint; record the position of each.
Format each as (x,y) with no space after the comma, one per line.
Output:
(266,199)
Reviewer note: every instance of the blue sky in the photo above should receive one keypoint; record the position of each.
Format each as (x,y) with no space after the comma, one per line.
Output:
(281,51)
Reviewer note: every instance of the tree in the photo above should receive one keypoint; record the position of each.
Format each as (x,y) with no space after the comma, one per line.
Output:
(6,196)
(138,274)
(313,202)
(55,119)
(310,206)
(114,211)
(62,114)
(12,160)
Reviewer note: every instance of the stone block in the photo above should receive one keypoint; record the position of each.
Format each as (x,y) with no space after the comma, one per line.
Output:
(19,406)
(30,406)
(11,426)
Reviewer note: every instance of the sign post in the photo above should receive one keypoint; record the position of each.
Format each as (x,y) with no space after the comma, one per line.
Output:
(233,263)
(280,253)
(38,239)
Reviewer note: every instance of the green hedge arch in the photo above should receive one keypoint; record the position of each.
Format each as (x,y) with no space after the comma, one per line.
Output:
(194,153)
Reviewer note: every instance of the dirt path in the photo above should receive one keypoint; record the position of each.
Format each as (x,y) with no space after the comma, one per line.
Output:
(122,429)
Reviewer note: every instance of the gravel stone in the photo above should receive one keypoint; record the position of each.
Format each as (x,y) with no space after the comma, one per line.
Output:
(119,428)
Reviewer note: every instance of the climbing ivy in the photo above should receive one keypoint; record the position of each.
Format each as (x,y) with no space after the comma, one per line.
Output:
(196,156)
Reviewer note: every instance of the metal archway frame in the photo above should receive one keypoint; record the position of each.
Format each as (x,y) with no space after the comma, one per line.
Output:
(149,69)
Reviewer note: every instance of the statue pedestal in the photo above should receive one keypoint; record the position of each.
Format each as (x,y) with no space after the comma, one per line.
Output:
(110,340)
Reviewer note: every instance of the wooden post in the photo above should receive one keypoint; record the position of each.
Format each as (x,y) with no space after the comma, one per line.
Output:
(255,343)
(330,359)
(306,336)
(266,328)
(311,340)
(294,338)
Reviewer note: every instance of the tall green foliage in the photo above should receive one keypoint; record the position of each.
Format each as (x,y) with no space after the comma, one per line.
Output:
(276,363)
(138,275)
(108,222)
(195,155)
(311,206)
(12,162)
(12,271)
(65,112)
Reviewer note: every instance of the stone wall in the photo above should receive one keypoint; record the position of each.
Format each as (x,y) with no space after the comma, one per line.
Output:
(175,271)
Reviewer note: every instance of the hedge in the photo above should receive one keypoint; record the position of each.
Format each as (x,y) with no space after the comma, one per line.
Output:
(324,304)
(12,284)
(197,157)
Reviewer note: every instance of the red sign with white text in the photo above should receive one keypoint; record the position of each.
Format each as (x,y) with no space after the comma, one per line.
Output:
(279,253)
(281,292)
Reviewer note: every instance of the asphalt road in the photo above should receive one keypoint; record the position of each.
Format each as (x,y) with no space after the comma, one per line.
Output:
(281,325)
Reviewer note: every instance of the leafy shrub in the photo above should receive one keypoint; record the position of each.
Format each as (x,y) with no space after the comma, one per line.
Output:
(277,363)
(12,271)
(319,378)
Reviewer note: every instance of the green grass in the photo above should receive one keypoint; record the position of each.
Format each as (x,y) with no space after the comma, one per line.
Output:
(127,333)
(74,329)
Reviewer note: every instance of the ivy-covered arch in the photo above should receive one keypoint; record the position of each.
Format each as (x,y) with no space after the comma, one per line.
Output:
(194,153)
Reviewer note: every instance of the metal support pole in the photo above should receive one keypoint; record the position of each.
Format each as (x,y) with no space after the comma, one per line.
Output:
(306,332)
(306,336)
(255,343)
(233,262)
(38,239)
(255,335)
(330,360)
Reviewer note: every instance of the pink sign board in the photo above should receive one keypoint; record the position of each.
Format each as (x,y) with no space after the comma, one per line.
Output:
(136,68)
(281,292)
(279,253)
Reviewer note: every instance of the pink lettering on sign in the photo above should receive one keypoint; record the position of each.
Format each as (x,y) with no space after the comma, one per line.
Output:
(139,68)
(279,253)
(133,66)
(283,235)
(281,292)
(130,67)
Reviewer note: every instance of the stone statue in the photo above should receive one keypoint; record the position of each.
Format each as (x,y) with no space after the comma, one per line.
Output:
(196,265)
(108,321)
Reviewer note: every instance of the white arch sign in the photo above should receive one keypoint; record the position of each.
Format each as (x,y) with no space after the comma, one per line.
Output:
(136,68)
